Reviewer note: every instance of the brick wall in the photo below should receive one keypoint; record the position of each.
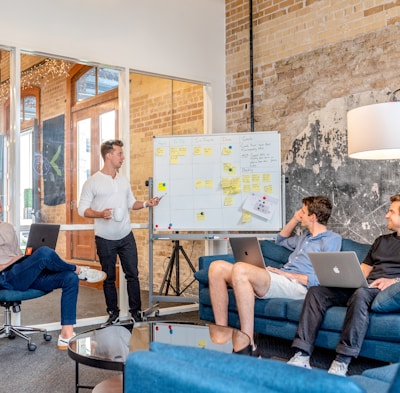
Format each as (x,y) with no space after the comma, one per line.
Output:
(297,43)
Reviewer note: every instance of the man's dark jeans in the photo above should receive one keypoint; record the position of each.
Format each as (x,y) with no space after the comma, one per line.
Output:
(125,248)
(318,300)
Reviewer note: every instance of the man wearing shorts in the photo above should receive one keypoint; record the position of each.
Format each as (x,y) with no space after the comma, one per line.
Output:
(291,281)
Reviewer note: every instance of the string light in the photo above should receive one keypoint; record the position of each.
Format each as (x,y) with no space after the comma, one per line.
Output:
(38,75)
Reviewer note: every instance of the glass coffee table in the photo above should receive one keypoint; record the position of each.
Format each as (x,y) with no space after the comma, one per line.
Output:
(108,347)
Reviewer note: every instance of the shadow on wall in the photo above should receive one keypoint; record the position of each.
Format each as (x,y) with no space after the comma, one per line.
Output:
(317,163)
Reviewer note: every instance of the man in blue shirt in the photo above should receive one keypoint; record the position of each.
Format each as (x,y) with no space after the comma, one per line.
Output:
(291,281)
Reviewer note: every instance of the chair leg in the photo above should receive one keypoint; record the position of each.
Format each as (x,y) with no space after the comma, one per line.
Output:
(11,331)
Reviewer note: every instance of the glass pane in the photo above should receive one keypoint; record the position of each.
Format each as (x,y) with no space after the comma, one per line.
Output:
(26,177)
(83,165)
(29,108)
(107,128)
(107,80)
(86,85)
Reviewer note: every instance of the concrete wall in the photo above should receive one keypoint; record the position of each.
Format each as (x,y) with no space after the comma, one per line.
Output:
(314,61)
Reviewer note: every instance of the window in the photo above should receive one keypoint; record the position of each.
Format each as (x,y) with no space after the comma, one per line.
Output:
(95,81)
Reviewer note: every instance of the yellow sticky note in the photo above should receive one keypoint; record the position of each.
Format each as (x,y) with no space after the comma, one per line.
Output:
(197,150)
(160,151)
(246,188)
(162,186)
(256,187)
(201,216)
(255,178)
(246,178)
(199,183)
(173,159)
(268,189)
(209,183)
(266,178)
(246,216)
(182,151)
(226,151)
(201,343)
(208,151)
(174,151)
(228,201)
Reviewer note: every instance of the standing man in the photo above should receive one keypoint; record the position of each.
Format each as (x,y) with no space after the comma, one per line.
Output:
(107,197)
(381,267)
(291,281)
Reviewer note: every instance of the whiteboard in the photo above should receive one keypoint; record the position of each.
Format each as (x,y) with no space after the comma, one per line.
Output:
(219,182)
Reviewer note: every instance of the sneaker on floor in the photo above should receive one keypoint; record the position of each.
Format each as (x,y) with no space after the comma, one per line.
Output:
(62,343)
(113,319)
(136,317)
(300,360)
(338,368)
(91,275)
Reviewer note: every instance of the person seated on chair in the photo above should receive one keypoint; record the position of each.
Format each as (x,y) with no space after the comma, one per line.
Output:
(43,270)
(381,267)
(291,281)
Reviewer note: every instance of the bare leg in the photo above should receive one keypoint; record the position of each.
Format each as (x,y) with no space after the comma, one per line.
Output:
(220,277)
(248,280)
(67,331)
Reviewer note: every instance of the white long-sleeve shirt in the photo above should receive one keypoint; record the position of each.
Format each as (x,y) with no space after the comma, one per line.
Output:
(101,192)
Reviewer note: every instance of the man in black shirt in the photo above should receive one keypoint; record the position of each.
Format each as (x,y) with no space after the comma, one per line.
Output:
(381,267)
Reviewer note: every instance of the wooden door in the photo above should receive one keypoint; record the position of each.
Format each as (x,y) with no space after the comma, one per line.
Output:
(91,126)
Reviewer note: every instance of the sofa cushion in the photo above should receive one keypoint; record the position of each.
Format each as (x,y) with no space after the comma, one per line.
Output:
(361,249)
(387,300)
(274,255)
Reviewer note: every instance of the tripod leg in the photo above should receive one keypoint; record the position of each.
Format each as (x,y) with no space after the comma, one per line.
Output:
(168,274)
(188,259)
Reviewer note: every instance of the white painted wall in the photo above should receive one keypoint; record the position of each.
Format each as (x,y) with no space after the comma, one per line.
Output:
(176,38)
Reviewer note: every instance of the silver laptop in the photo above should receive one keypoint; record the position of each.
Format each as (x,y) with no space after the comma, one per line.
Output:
(338,269)
(247,249)
(42,235)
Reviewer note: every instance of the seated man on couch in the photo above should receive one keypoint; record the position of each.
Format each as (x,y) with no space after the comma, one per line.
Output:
(291,281)
(381,267)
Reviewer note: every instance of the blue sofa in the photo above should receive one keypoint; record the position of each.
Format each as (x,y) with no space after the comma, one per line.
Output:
(279,317)
(174,369)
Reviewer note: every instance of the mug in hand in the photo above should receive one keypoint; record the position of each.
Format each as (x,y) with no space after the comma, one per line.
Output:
(117,213)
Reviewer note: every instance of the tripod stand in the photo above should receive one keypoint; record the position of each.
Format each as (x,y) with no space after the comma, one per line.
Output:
(174,260)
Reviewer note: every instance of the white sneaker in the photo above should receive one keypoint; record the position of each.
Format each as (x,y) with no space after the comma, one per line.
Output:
(300,360)
(62,343)
(91,275)
(338,368)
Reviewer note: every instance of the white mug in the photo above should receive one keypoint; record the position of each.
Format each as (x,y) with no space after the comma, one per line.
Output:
(117,213)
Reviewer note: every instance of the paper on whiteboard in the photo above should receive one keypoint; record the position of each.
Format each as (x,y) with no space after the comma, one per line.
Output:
(261,204)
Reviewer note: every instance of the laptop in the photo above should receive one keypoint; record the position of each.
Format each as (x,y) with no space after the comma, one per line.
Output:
(42,235)
(247,249)
(338,269)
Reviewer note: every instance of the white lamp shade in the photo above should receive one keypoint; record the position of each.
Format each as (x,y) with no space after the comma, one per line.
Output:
(373,132)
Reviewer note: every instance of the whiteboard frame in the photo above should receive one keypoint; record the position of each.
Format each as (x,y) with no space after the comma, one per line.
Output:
(191,205)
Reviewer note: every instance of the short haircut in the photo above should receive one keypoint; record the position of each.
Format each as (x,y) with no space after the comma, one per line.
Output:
(395,198)
(108,146)
(319,205)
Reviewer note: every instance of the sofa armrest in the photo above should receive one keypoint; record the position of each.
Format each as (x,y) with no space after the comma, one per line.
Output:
(205,261)
(171,368)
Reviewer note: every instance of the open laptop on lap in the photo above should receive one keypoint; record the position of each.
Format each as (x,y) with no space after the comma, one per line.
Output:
(42,235)
(247,249)
(338,269)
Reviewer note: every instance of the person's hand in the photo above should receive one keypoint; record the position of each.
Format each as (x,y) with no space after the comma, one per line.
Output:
(382,283)
(107,214)
(153,201)
(298,215)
